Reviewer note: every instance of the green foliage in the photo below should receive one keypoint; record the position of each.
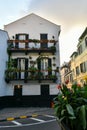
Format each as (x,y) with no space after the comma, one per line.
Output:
(71,107)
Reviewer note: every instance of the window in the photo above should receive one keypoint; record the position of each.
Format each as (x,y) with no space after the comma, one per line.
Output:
(83,67)
(43,37)
(21,37)
(77,70)
(44,64)
(71,78)
(86,41)
(86,65)
(80,49)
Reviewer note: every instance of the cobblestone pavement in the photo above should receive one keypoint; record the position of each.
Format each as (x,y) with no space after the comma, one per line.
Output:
(28,111)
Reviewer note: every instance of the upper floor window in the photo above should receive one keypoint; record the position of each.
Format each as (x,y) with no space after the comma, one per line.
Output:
(22,36)
(77,70)
(71,77)
(80,49)
(86,41)
(43,37)
(83,67)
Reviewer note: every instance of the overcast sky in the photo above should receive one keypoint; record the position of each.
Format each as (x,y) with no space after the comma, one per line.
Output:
(70,14)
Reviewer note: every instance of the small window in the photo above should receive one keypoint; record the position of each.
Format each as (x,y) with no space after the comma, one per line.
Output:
(86,41)
(83,67)
(77,70)
(80,49)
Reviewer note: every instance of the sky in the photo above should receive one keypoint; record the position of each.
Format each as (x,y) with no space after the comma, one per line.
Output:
(71,15)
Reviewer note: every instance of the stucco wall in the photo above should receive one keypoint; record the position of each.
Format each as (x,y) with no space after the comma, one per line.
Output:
(34,26)
(3,59)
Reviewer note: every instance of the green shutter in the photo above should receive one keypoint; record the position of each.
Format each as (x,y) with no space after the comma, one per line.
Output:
(17,44)
(49,65)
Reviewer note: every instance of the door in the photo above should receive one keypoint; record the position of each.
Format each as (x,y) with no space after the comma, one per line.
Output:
(45,90)
(18,94)
(18,91)
(44,66)
(22,65)
(43,37)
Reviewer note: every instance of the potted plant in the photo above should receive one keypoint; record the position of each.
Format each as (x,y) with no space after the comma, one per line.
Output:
(71,107)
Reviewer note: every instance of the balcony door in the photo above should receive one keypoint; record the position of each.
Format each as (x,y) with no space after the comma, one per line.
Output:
(22,66)
(43,37)
(21,37)
(44,64)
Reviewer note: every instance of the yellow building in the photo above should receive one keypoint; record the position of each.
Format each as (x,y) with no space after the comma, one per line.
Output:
(79,60)
(77,66)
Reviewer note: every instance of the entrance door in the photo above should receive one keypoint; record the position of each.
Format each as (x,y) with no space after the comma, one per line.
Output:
(44,90)
(18,91)
(18,95)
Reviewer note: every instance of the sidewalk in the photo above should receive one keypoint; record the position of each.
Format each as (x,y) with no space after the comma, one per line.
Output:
(23,112)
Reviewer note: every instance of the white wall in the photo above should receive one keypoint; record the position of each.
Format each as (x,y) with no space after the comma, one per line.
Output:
(34,26)
(31,89)
(53,89)
(3,59)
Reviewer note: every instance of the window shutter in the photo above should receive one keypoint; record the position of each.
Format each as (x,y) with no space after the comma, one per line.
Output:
(26,44)
(26,68)
(27,36)
(39,65)
(26,64)
(17,44)
(15,63)
(49,65)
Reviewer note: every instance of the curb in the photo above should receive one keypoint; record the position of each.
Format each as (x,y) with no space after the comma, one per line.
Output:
(20,117)
(25,116)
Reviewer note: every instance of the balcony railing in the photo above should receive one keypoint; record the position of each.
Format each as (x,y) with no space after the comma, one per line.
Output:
(24,46)
(51,49)
(40,76)
(32,40)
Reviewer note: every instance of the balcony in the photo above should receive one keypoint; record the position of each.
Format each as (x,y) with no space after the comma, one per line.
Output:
(30,75)
(13,46)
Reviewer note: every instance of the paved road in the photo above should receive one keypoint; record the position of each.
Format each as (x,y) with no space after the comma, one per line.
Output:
(40,122)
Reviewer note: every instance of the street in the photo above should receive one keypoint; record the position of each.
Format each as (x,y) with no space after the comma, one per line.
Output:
(41,122)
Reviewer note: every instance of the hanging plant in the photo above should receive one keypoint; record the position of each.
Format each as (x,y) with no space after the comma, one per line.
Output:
(54,64)
(30,57)
(54,58)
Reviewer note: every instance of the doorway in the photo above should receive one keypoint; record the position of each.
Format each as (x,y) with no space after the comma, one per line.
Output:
(18,93)
(44,90)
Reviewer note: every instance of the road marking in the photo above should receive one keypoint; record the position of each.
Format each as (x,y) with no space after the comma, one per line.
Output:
(32,124)
(22,117)
(10,119)
(50,116)
(34,115)
(15,122)
(36,119)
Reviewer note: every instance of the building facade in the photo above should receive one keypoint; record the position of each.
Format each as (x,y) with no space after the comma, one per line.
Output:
(32,68)
(3,58)
(79,60)
(77,67)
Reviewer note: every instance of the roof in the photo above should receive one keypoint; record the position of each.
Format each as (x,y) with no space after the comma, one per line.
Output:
(31,15)
(74,53)
(83,34)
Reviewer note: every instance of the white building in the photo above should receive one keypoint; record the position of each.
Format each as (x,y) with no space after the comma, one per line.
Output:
(33,64)
(3,58)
